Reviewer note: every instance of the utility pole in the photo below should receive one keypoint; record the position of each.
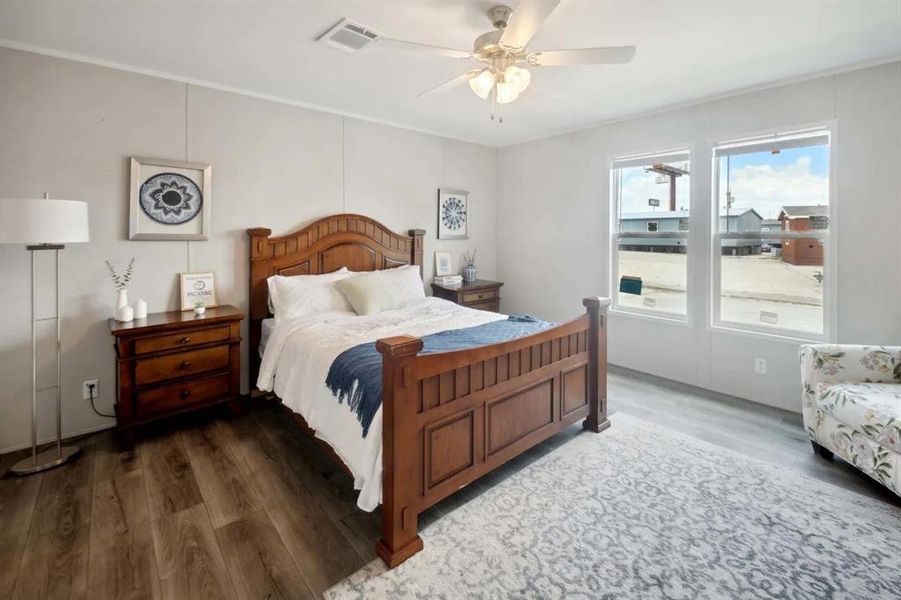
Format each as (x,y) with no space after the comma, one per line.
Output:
(729,198)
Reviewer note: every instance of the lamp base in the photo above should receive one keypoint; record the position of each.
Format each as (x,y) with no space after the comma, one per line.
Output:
(45,460)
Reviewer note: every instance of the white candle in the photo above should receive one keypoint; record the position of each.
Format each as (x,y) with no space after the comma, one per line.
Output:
(140,309)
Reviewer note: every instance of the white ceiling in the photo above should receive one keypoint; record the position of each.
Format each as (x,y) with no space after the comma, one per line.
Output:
(687,50)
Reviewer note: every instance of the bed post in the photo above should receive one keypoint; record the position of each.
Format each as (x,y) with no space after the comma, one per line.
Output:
(259,295)
(416,258)
(400,462)
(597,364)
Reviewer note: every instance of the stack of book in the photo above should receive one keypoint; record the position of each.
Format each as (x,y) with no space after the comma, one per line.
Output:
(449,280)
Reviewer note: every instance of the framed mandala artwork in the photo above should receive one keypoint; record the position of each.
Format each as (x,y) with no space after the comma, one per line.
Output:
(453,218)
(170,200)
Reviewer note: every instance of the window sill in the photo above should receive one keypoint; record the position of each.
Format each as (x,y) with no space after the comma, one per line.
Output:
(668,318)
(788,337)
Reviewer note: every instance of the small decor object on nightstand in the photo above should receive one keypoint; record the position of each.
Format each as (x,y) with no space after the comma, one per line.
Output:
(170,200)
(452,214)
(469,267)
(120,282)
(140,309)
(198,289)
(443,264)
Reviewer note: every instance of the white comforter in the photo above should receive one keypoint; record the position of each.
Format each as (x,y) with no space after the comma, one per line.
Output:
(300,351)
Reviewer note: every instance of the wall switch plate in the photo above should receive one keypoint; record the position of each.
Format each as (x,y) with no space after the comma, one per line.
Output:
(85,390)
(760,366)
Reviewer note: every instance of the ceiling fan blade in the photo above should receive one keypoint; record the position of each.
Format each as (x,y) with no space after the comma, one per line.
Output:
(421,48)
(447,85)
(614,55)
(527,17)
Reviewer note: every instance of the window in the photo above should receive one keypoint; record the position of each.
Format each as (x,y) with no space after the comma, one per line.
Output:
(771,233)
(650,241)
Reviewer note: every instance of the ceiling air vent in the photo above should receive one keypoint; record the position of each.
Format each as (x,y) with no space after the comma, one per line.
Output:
(348,36)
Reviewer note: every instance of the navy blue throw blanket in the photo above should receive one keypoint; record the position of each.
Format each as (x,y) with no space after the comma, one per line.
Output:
(363,364)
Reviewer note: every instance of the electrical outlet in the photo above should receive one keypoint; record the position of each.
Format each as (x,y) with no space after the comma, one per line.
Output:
(760,366)
(86,390)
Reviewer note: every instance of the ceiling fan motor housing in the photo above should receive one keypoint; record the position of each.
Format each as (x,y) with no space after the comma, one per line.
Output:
(499,16)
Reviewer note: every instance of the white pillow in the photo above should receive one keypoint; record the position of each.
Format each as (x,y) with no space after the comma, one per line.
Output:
(370,293)
(300,295)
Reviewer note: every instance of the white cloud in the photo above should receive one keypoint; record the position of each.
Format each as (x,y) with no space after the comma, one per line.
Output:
(637,189)
(767,189)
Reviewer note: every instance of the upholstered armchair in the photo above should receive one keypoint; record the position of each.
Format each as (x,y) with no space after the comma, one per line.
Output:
(851,401)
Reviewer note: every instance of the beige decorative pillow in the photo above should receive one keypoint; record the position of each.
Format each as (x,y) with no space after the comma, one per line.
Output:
(368,293)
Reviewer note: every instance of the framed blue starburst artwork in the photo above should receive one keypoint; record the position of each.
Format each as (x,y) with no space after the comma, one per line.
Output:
(453,216)
(170,200)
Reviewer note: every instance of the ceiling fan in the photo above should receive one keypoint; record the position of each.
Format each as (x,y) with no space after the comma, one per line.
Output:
(504,73)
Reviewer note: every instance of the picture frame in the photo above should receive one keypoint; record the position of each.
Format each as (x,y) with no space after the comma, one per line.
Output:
(453,215)
(443,264)
(198,287)
(169,200)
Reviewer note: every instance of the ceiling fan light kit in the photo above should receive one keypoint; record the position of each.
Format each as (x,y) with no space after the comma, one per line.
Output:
(500,80)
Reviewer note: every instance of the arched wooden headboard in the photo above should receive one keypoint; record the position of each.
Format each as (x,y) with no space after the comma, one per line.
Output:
(344,240)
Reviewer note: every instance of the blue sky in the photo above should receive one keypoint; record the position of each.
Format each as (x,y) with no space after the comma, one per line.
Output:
(762,181)
(819,157)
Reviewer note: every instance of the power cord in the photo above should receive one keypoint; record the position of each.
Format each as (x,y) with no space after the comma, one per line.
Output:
(91,392)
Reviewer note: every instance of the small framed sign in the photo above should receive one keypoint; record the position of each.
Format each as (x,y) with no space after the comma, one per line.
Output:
(198,289)
(443,264)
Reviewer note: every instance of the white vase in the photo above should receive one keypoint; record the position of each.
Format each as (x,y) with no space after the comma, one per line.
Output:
(121,299)
(125,314)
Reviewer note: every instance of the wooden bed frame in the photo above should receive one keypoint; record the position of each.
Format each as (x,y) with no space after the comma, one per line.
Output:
(449,417)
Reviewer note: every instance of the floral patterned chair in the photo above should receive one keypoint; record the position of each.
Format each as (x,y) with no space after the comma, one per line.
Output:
(852,407)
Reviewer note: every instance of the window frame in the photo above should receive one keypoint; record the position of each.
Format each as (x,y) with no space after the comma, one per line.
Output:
(826,238)
(615,165)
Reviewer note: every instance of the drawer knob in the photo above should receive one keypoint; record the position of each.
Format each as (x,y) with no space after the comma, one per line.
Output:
(185,393)
(185,364)
(184,340)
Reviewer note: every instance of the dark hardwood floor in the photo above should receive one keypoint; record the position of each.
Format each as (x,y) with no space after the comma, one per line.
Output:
(221,507)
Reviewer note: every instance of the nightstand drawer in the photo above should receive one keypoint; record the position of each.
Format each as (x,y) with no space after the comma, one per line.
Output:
(490,306)
(181,340)
(181,364)
(479,296)
(177,395)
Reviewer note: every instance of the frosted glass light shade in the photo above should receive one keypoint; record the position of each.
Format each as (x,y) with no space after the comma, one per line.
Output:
(506,93)
(43,221)
(482,83)
(518,77)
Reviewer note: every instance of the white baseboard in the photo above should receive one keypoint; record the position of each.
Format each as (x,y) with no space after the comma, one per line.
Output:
(68,435)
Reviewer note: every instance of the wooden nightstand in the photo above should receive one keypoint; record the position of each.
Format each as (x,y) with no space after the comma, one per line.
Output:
(176,362)
(482,294)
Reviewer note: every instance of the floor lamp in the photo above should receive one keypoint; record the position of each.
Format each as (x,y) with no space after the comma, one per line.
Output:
(44,224)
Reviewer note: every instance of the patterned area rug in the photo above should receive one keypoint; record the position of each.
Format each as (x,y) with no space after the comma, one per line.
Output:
(640,511)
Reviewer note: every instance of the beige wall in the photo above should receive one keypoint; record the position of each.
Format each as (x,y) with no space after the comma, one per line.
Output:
(556,192)
(68,128)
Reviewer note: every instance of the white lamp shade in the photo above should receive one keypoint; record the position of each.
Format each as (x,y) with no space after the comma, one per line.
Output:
(43,221)
(482,83)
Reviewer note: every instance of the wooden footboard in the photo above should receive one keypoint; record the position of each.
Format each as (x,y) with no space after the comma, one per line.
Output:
(450,417)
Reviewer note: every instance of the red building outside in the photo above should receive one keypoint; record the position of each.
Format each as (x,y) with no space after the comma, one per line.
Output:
(803,251)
